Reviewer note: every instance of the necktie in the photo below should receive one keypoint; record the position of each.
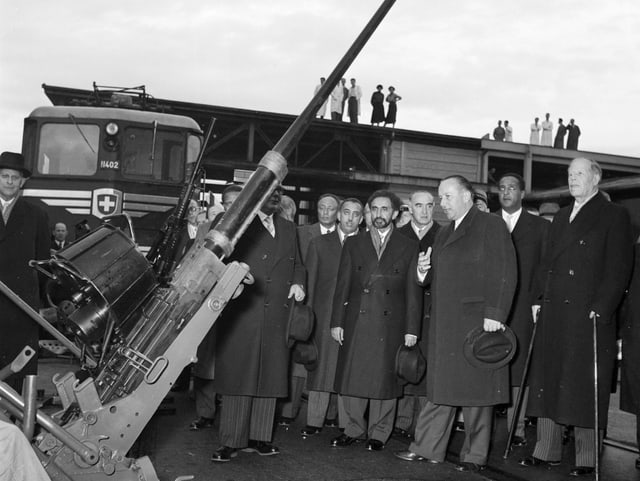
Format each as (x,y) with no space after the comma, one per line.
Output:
(510,223)
(4,212)
(268,223)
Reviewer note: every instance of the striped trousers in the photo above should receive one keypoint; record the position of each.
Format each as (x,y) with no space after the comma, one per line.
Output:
(549,443)
(246,417)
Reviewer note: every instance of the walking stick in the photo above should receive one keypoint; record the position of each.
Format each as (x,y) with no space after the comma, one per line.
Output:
(518,404)
(595,395)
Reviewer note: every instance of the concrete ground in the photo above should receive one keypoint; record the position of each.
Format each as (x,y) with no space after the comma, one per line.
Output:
(176,451)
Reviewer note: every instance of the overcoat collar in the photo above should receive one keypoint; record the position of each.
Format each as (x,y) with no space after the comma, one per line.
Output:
(523,226)
(583,222)
(374,270)
(462,228)
(16,220)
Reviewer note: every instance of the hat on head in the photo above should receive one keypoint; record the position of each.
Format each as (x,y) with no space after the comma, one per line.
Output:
(306,353)
(489,350)
(548,208)
(300,323)
(410,364)
(12,160)
(479,194)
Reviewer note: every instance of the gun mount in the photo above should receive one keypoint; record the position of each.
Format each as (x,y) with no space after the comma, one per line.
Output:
(106,290)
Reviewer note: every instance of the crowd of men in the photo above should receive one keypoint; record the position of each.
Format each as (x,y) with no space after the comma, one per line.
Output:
(380,298)
(378,290)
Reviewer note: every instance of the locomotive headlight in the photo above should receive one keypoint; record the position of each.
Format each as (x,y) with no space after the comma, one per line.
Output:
(112,128)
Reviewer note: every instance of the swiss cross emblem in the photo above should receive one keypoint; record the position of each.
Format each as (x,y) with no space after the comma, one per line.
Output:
(106,202)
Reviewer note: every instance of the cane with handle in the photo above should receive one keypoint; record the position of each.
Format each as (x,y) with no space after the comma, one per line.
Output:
(596,450)
(518,404)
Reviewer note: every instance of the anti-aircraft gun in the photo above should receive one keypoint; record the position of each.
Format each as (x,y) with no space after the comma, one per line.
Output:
(159,327)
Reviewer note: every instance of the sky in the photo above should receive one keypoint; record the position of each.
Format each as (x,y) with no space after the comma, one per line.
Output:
(459,65)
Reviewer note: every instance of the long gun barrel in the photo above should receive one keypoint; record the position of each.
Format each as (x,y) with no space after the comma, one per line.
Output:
(272,168)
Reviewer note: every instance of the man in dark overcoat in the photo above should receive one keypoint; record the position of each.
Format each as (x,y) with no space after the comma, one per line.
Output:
(584,273)
(529,234)
(423,229)
(24,235)
(322,263)
(630,335)
(327,209)
(472,272)
(252,355)
(376,309)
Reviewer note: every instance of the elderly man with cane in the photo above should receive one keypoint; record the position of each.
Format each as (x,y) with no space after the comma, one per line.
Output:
(579,285)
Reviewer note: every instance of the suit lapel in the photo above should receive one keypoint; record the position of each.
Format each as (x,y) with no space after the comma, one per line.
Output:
(523,226)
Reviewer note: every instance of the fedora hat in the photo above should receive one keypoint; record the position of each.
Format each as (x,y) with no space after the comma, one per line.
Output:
(410,364)
(489,350)
(306,353)
(299,324)
(12,160)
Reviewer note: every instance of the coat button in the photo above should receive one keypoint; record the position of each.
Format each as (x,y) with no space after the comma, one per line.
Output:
(571,272)
(366,291)
(566,301)
(362,311)
(268,279)
(264,257)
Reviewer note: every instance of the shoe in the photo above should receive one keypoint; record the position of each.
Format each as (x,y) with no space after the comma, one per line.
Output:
(331,423)
(458,426)
(518,441)
(343,440)
(470,467)
(401,433)
(581,471)
(263,448)
(533,461)
(284,421)
(638,463)
(224,454)
(375,445)
(201,423)
(310,431)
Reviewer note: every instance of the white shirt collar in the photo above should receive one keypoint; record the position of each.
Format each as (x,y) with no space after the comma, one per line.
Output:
(7,203)
(421,230)
(515,216)
(343,236)
(579,205)
(327,230)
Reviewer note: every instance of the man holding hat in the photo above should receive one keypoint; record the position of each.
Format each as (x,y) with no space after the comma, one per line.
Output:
(472,273)
(24,235)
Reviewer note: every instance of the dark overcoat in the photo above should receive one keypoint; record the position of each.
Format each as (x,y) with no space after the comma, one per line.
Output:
(376,302)
(630,335)
(252,357)
(305,234)
(529,238)
(586,268)
(420,389)
(473,277)
(322,263)
(25,237)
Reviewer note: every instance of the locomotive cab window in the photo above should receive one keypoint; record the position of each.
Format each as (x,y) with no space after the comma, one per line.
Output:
(150,155)
(68,149)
